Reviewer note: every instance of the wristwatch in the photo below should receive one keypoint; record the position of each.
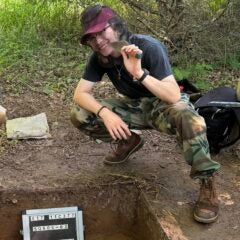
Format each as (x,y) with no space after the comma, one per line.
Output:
(144,75)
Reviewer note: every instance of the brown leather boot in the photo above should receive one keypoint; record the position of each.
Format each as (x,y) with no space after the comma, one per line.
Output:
(124,149)
(207,206)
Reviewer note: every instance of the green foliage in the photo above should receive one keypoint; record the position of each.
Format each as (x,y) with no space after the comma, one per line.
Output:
(192,71)
(49,70)
(37,38)
(234,62)
(181,73)
(25,26)
(216,5)
(17,36)
(197,72)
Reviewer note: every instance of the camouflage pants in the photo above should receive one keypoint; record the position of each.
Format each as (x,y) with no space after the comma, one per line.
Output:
(180,119)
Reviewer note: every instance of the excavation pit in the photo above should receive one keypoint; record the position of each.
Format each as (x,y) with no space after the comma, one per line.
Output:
(110,212)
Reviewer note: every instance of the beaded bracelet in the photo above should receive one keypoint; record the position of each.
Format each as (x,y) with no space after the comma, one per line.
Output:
(100,109)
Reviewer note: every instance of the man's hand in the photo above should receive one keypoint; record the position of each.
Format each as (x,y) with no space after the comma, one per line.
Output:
(131,63)
(117,128)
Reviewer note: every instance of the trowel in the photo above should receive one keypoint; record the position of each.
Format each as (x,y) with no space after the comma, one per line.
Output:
(119,44)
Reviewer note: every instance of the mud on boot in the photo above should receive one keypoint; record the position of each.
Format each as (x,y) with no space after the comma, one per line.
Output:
(207,206)
(124,149)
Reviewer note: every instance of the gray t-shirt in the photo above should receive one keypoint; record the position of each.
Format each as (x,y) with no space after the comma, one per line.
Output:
(154,59)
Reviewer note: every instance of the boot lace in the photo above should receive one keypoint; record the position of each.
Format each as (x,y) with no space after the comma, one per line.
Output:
(117,145)
(208,192)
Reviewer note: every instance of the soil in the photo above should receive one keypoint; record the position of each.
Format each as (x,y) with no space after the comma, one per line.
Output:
(70,159)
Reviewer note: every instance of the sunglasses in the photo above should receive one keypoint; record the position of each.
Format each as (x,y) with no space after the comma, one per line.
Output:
(93,37)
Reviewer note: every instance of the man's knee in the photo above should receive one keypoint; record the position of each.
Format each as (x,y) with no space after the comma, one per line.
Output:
(198,124)
(74,120)
(78,116)
(189,121)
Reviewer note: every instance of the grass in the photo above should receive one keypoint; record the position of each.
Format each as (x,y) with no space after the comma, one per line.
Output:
(198,73)
(39,44)
(49,70)
(207,76)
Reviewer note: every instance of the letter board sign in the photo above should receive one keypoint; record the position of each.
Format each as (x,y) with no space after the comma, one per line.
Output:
(53,224)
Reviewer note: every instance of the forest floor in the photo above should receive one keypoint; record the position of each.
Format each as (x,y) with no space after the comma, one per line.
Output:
(69,159)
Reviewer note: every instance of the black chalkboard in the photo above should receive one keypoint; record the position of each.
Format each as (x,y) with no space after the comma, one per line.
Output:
(53,224)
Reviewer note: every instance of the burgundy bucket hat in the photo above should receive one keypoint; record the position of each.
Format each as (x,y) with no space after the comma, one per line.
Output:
(97,23)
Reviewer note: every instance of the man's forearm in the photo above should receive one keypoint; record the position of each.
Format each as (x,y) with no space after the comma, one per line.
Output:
(88,102)
(166,90)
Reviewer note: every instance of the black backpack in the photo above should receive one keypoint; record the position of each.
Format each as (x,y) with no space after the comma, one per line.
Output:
(221,111)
